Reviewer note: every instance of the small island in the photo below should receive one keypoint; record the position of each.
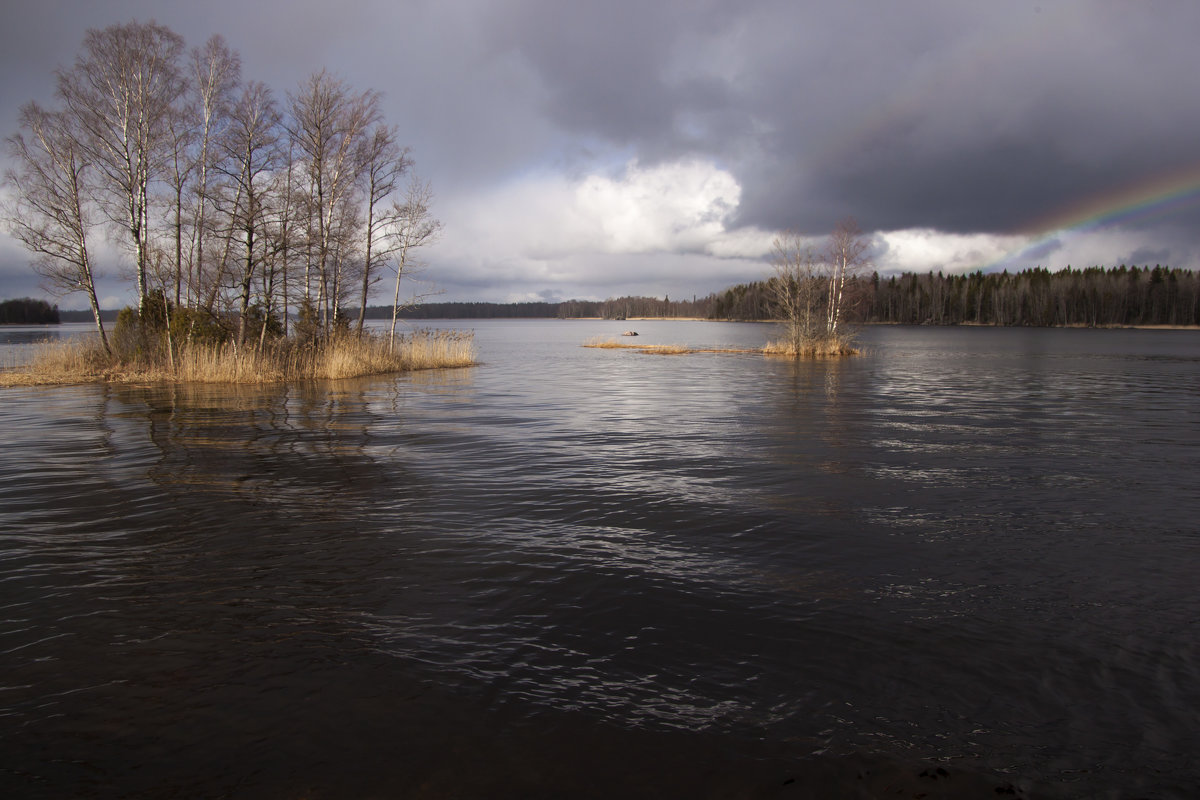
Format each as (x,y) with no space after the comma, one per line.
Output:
(27,311)
(248,224)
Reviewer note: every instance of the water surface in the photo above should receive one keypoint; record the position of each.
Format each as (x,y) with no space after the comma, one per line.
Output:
(599,572)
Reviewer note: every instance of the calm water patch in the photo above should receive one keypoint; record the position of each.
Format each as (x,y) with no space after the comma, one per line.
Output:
(970,547)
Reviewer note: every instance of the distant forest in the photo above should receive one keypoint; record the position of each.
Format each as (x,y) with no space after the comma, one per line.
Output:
(29,312)
(1096,296)
(618,308)
(1091,297)
(1036,297)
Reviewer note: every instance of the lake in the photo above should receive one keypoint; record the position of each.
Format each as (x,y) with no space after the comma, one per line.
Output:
(597,573)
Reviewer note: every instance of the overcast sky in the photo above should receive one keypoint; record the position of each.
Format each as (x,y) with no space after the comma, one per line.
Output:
(604,147)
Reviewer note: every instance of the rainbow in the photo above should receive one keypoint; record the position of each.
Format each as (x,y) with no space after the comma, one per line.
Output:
(952,72)
(1144,201)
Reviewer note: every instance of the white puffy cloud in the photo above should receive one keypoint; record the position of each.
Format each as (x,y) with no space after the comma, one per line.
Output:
(681,206)
(602,233)
(928,250)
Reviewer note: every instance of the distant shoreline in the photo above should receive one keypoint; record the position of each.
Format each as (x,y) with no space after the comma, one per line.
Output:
(1041,327)
(105,315)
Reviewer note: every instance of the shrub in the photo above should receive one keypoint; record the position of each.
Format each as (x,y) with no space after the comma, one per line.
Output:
(261,326)
(126,339)
(307,327)
(189,325)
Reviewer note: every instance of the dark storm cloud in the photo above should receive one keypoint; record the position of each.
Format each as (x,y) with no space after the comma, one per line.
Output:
(916,114)
(606,66)
(947,116)
(938,114)
(442,85)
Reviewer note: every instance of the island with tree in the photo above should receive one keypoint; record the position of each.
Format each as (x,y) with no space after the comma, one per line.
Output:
(250,223)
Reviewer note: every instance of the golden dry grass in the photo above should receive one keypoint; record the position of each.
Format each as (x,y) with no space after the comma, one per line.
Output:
(830,347)
(665,349)
(58,361)
(824,347)
(608,343)
(345,356)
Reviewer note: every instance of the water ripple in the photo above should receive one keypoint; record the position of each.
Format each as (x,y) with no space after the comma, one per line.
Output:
(965,545)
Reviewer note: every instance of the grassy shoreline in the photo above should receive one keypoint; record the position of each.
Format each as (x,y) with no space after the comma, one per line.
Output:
(84,360)
(1034,327)
(834,347)
(892,324)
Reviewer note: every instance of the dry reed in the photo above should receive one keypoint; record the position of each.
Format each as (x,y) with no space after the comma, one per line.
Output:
(665,349)
(343,356)
(58,361)
(826,347)
(605,342)
(823,347)
(657,349)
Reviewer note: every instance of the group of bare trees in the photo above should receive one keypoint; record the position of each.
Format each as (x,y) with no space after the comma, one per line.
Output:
(233,205)
(811,291)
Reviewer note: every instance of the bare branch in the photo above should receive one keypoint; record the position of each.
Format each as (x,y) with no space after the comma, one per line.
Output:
(51,215)
(121,92)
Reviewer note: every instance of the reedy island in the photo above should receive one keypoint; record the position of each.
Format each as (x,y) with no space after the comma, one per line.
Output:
(230,204)
(343,355)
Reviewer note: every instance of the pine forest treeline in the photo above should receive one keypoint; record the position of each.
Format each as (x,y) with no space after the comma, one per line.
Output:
(623,307)
(1089,297)
(613,308)
(26,311)
(1095,296)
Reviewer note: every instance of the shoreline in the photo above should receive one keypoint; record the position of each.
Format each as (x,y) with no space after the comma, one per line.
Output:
(83,360)
(1037,327)
(759,321)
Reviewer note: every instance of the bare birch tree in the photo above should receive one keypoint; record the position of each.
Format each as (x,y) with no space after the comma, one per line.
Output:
(846,256)
(287,226)
(413,227)
(122,90)
(328,125)
(181,166)
(51,214)
(253,157)
(214,74)
(796,290)
(384,162)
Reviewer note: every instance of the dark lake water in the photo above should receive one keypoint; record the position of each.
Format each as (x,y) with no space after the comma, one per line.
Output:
(582,572)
